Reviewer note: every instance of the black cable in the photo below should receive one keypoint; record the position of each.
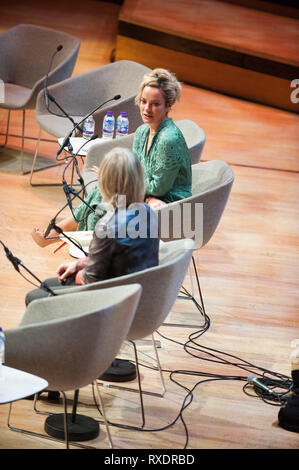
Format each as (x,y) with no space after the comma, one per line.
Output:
(53,221)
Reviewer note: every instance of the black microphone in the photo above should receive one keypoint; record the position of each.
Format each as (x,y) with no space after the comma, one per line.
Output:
(49,228)
(252,379)
(66,190)
(64,144)
(77,126)
(15,261)
(46,93)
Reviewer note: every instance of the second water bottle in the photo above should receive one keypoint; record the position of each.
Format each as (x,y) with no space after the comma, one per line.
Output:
(108,125)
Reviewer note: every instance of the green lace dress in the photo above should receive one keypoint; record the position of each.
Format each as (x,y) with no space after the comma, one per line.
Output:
(166,166)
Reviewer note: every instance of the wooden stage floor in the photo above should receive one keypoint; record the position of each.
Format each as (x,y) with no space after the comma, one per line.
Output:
(248,271)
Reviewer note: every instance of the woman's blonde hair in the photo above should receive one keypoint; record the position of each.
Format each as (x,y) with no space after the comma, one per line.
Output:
(121,174)
(166,81)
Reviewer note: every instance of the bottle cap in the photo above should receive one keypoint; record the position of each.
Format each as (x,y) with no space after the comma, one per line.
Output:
(124,114)
(109,113)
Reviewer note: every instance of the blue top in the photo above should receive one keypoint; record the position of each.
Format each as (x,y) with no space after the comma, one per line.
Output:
(124,241)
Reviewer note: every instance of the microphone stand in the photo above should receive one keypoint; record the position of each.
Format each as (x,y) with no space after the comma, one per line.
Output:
(52,224)
(77,126)
(16,262)
(60,231)
(50,97)
(65,114)
(75,164)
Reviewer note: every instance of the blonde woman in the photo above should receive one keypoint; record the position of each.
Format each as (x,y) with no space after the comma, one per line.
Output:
(160,147)
(126,239)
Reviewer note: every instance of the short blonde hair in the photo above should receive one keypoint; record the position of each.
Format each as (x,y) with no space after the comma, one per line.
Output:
(121,174)
(166,81)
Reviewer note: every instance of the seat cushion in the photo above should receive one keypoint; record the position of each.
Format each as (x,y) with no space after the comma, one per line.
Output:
(15,96)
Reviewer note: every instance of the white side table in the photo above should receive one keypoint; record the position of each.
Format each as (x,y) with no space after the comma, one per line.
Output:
(77,142)
(16,384)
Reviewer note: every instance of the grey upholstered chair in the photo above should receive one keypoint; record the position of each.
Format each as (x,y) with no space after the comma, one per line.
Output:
(198,216)
(160,287)
(195,138)
(70,340)
(81,94)
(26,51)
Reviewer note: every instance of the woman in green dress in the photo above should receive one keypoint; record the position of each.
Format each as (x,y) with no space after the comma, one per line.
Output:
(159,145)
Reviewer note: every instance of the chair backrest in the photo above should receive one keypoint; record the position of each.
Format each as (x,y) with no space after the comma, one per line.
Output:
(71,340)
(195,138)
(160,286)
(97,152)
(26,52)
(80,94)
(198,216)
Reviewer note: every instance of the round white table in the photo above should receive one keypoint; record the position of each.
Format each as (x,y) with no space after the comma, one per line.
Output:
(16,384)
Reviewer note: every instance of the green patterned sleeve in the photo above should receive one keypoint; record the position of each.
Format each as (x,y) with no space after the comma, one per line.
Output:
(169,154)
(83,215)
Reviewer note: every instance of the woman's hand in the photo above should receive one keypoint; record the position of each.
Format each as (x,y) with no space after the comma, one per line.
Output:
(65,270)
(95,169)
(153,202)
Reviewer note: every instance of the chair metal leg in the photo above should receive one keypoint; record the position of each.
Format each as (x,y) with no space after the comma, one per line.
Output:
(139,385)
(23,134)
(33,170)
(23,137)
(46,436)
(66,435)
(7,127)
(104,413)
(187,296)
(140,391)
(159,365)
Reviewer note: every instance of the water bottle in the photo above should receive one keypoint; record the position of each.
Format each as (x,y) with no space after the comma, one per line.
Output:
(108,125)
(88,127)
(2,350)
(122,125)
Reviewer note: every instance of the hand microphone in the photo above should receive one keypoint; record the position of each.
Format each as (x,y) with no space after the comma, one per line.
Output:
(252,379)
(46,78)
(77,126)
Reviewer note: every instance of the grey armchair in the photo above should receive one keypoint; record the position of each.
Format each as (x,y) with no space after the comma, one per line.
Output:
(80,94)
(160,287)
(25,52)
(69,341)
(195,138)
(198,216)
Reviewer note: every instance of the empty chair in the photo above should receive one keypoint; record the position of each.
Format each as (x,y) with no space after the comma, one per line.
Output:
(70,340)
(195,138)
(198,216)
(26,51)
(81,94)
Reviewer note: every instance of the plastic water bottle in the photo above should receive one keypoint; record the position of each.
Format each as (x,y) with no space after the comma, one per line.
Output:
(108,125)
(2,350)
(88,127)
(122,125)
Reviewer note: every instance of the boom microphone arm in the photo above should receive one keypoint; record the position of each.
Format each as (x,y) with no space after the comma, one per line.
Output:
(16,262)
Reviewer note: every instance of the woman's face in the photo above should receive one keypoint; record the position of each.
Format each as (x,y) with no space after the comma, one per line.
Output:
(153,108)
